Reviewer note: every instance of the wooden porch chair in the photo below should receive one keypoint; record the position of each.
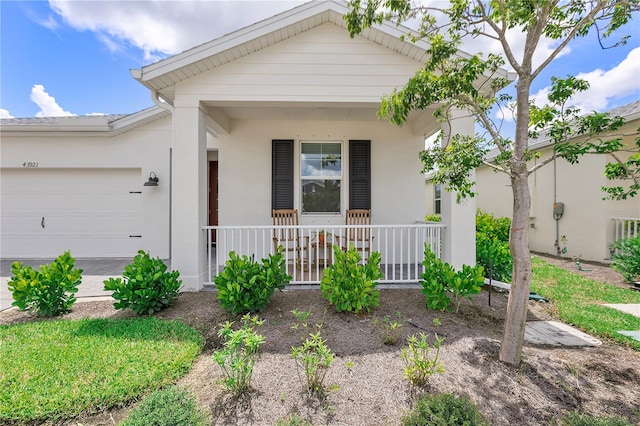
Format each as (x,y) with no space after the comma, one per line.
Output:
(358,237)
(288,238)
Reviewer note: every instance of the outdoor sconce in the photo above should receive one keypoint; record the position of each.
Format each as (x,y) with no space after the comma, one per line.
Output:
(153,180)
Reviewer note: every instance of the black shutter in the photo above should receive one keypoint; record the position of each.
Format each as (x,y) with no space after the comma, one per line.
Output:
(282,174)
(360,175)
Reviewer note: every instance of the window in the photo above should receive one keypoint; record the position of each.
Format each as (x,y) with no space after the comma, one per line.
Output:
(321,177)
(437,207)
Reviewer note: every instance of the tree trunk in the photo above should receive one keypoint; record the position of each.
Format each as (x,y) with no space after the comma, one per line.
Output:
(514,327)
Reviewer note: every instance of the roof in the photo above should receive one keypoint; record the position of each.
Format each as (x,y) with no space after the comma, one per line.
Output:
(110,124)
(163,75)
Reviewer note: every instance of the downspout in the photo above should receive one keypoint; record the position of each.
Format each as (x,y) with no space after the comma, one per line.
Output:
(155,97)
(555,200)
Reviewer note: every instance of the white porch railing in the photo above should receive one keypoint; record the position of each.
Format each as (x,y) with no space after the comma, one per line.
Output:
(625,227)
(401,247)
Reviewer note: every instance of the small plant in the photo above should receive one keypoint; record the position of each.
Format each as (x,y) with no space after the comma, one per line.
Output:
(420,365)
(313,359)
(293,420)
(390,329)
(48,292)
(439,278)
(146,286)
(170,406)
(444,410)
(349,285)
(321,236)
(582,419)
(239,354)
(246,286)
(432,218)
(626,257)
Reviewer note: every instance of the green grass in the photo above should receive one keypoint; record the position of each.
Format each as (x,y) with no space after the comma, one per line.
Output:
(59,369)
(579,302)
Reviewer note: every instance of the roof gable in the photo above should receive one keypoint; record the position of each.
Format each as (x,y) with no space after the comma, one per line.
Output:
(163,75)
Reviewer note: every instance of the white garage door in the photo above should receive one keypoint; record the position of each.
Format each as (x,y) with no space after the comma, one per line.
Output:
(92,213)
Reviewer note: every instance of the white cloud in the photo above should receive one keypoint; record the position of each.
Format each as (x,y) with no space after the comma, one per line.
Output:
(159,27)
(4,113)
(604,85)
(47,103)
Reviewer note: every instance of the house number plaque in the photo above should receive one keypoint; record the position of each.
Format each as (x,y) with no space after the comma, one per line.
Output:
(30,164)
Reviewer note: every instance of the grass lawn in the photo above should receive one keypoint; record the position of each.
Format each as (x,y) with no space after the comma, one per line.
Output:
(579,302)
(58,369)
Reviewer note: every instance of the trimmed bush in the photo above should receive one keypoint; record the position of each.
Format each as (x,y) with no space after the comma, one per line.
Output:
(172,406)
(146,288)
(439,278)
(349,285)
(444,410)
(492,246)
(246,286)
(626,258)
(48,292)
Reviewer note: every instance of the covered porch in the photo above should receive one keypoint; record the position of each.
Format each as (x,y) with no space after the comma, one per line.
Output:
(401,248)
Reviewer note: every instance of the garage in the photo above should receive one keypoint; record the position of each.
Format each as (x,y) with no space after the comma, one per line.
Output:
(90,212)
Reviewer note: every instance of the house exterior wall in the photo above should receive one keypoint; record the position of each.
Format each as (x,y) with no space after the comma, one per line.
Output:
(586,222)
(245,170)
(322,64)
(140,150)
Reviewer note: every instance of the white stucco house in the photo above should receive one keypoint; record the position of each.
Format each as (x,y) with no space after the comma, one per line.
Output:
(236,125)
(585,224)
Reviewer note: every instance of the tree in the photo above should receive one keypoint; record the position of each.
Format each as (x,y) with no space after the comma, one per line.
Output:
(455,82)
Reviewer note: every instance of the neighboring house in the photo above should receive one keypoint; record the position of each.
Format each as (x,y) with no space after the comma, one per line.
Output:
(587,224)
(242,124)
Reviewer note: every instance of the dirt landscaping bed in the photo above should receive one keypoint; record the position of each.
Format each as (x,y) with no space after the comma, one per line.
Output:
(366,377)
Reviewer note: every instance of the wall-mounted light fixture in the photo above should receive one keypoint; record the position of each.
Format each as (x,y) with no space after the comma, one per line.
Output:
(153,180)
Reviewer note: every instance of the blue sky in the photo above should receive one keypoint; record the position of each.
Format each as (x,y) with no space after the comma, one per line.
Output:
(73,57)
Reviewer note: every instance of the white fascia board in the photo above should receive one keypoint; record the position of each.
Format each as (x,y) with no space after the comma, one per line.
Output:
(138,118)
(238,37)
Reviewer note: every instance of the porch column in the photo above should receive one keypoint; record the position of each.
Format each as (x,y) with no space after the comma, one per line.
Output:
(189,195)
(460,217)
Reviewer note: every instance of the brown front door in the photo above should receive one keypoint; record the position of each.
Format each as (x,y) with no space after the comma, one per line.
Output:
(213,196)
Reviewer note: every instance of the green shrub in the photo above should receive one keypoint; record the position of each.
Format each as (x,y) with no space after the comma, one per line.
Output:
(313,359)
(582,419)
(420,366)
(48,292)
(172,406)
(492,246)
(444,410)
(293,420)
(626,258)
(146,288)
(246,286)
(239,354)
(433,218)
(439,278)
(390,330)
(349,285)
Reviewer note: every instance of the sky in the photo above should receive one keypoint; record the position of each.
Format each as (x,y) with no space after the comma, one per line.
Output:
(73,57)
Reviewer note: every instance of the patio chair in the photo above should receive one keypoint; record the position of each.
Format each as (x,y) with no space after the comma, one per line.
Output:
(360,238)
(288,238)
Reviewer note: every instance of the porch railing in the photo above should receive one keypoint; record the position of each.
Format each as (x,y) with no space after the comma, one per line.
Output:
(401,247)
(625,227)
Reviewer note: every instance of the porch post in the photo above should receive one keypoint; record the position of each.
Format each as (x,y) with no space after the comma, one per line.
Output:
(189,195)
(460,217)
